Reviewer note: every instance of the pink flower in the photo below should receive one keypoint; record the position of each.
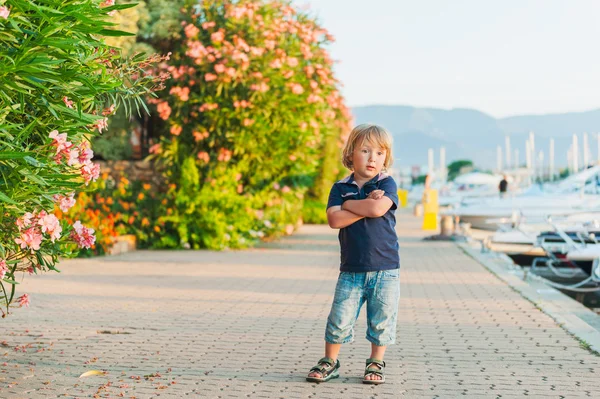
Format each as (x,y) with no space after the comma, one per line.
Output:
(269,44)
(288,74)
(101,124)
(276,186)
(24,300)
(109,110)
(199,136)
(65,202)
(292,61)
(83,236)
(30,238)
(208,107)
(276,63)
(259,214)
(257,51)
(163,110)
(176,130)
(297,88)
(4,12)
(107,3)
(51,226)
(218,36)
(313,98)
(85,153)
(224,155)
(3,268)
(67,102)
(262,87)
(248,122)
(191,30)
(208,25)
(90,171)
(203,156)
(25,221)
(220,68)
(73,157)
(285,189)
(209,77)
(155,149)
(231,72)
(59,139)
(292,158)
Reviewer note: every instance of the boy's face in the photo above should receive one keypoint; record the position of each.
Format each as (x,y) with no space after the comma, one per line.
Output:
(368,160)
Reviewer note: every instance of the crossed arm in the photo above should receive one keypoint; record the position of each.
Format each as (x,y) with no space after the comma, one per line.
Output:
(353,210)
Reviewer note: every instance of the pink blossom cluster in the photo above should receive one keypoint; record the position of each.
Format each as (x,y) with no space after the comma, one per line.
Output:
(83,236)
(65,202)
(224,155)
(208,107)
(3,268)
(81,155)
(32,226)
(199,136)
(182,92)
(4,12)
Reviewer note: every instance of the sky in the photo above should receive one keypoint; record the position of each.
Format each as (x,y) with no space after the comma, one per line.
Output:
(501,57)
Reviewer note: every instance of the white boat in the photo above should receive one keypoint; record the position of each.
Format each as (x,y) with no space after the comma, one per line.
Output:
(575,194)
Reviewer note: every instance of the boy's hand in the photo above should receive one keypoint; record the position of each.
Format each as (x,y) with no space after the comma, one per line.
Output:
(376,194)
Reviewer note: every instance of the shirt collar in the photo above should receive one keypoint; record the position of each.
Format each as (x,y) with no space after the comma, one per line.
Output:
(350,179)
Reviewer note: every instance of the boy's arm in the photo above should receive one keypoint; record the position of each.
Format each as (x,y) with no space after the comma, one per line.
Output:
(338,218)
(370,208)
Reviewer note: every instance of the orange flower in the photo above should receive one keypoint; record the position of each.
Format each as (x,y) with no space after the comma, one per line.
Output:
(146,186)
(140,196)
(145,222)
(157,229)
(109,201)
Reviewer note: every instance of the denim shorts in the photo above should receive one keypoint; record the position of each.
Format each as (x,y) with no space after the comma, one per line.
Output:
(381,291)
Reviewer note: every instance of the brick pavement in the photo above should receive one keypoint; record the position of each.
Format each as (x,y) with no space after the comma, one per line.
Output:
(249,324)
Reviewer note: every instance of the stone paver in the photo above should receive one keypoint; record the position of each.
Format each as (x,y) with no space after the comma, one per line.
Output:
(250,324)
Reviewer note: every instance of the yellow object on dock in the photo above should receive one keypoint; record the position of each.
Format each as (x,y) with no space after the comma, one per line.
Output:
(403,197)
(430,209)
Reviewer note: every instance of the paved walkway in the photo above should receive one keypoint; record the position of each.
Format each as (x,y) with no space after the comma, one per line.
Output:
(250,324)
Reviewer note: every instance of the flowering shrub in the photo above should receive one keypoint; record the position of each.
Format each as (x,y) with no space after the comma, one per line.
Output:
(251,112)
(59,82)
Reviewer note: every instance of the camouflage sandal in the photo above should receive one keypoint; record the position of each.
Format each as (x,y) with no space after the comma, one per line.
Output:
(374,367)
(327,368)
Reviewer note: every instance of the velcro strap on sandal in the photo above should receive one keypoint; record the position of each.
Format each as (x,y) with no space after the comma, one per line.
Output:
(378,362)
(327,360)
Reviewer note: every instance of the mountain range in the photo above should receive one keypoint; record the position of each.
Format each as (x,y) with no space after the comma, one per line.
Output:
(474,135)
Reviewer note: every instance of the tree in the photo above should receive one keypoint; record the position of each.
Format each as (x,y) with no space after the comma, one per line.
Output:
(455,168)
(59,82)
(251,113)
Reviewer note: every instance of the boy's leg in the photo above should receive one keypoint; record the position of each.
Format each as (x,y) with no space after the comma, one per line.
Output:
(382,314)
(345,308)
(331,351)
(377,352)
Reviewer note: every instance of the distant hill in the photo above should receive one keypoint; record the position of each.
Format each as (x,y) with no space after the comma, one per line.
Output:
(471,134)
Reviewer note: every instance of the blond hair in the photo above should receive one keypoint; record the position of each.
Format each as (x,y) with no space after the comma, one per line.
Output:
(372,133)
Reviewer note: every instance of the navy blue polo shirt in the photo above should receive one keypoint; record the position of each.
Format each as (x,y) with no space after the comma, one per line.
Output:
(370,244)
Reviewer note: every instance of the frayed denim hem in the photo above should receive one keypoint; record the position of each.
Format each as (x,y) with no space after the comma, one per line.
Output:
(380,343)
(345,341)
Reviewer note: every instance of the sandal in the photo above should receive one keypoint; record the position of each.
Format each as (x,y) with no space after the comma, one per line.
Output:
(372,370)
(328,369)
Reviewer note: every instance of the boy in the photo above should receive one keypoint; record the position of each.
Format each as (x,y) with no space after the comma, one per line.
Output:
(362,206)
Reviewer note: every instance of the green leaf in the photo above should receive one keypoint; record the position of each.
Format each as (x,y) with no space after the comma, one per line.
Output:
(6,198)
(110,32)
